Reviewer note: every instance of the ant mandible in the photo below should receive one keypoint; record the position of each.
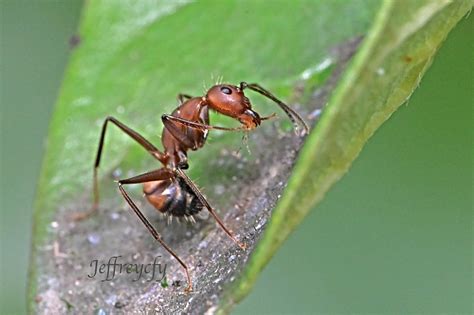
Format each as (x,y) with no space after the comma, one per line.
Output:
(168,188)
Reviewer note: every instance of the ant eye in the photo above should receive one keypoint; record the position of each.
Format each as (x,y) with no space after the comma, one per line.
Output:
(226,90)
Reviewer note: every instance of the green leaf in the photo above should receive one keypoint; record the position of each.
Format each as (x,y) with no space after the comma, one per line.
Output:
(131,61)
(387,69)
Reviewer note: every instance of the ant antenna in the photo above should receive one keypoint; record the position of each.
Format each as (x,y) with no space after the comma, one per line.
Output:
(294,117)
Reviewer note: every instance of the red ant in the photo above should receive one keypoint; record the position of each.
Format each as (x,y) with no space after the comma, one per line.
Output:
(168,188)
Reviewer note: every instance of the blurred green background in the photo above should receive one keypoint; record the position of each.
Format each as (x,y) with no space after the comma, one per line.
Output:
(393,236)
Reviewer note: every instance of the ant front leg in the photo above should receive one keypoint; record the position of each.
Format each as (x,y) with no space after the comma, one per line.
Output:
(168,118)
(206,204)
(135,136)
(171,124)
(161,174)
(193,124)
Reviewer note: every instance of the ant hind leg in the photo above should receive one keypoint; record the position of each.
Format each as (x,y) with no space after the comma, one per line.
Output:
(206,204)
(160,174)
(147,145)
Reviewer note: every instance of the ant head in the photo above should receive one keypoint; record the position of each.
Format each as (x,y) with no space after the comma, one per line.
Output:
(230,100)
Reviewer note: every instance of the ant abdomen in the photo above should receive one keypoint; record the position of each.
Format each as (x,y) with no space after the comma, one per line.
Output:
(172,197)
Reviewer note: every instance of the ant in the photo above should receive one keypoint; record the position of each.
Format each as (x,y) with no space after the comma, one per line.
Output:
(168,188)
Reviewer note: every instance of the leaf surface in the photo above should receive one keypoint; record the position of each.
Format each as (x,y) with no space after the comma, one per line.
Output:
(131,61)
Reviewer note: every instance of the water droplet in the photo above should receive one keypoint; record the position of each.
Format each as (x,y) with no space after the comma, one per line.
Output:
(114,216)
(111,300)
(308,73)
(101,312)
(120,109)
(82,101)
(315,114)
(202,245)
(117,173)
(52,282)
(218,133)
(259,225)
(93,238)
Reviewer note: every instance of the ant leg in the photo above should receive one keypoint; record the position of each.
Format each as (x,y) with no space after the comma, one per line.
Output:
(294,117)
(177,132)
(197,125)
(169,122)
(135,136)
(160,174)
(203,200)
(181,97)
